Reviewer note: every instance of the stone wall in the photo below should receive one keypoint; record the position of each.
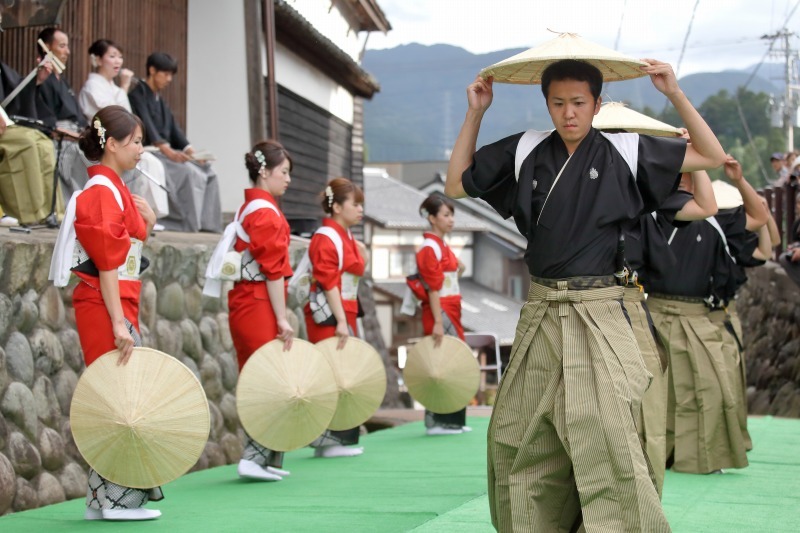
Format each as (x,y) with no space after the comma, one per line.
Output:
(769,307)
(41,359)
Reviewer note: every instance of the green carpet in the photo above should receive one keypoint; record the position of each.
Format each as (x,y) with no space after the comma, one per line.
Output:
(408,482)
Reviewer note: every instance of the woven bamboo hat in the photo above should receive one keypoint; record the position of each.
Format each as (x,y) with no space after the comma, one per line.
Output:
(286,399)
(142,424)
(527,67)
(443,379)
(617,116)
(360,377)
(727,195)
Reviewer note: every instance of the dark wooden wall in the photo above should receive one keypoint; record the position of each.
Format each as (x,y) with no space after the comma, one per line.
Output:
(321,146)
(138,26)
(357,155)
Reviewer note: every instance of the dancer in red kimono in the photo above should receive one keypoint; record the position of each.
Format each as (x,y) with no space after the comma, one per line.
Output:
(257,303)
(101,241)
(337,265)
(439,270)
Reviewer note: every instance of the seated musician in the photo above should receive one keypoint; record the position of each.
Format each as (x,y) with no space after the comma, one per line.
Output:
(26,155)
(192,186)
(57,106)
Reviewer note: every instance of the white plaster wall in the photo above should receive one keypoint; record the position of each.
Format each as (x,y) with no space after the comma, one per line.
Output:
(300,77)
(217,101)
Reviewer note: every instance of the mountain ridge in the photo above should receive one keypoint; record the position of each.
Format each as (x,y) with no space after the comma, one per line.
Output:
(420,107)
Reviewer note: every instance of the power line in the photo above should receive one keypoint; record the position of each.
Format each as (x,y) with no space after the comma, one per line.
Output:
(619,30)
(742,118)
(686,39)
(683,49)
(745,125)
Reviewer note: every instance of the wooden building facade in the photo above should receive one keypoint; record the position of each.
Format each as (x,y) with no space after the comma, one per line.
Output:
(219,95)
(140,27)
(322,147)
(324,144)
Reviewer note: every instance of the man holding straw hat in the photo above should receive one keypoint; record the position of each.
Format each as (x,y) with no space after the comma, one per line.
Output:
(706,433)
(648,257)
(562,443)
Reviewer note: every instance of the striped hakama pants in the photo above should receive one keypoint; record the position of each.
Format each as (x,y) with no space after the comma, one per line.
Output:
(562,441)
(652,424)
(727,320)
(702,408)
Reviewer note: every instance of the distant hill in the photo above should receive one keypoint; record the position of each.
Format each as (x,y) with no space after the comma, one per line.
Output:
(422,101)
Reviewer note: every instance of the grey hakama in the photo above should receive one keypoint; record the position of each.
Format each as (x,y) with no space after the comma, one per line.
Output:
(193,192)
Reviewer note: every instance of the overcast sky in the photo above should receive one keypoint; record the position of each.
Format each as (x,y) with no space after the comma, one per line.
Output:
(725,33)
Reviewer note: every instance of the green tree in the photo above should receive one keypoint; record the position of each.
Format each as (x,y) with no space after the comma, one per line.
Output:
(721,111)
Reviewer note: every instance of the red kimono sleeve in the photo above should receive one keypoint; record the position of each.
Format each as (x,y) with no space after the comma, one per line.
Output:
(325,262)
(430,268)
(269,243)
(100,228)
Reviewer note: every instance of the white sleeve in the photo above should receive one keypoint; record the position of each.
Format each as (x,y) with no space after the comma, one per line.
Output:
(87,103)
(627,144)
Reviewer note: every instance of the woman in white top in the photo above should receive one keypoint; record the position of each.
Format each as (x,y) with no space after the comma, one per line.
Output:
(100,91)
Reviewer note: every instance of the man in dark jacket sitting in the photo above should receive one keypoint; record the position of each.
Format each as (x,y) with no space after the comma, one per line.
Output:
(193,188)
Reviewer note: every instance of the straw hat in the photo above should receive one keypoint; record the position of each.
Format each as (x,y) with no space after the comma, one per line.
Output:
(443,379)
(527,67)
(286,399)
(143,424)
(727,195)
(617,116)
(361,379)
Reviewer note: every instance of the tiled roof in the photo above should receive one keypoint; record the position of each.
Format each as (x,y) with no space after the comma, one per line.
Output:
(482,310)
(504,228)
(395,205)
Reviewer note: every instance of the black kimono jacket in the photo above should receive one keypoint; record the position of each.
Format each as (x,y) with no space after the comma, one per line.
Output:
(24,103)
(573,229)
(646,250)
(159,123)
(706,263)
(55,101)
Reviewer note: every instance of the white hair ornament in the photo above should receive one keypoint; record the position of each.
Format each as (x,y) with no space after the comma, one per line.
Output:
(261,158)
(101,132)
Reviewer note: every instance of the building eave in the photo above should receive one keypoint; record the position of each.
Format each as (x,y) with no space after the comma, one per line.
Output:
(296,33)
(367,14)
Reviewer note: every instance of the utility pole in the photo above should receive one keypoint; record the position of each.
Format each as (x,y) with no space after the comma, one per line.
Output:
(448,125)
(789,57)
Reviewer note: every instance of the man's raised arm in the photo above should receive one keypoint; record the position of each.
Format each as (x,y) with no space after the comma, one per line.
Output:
(479,98)
(757,214)
(705,152)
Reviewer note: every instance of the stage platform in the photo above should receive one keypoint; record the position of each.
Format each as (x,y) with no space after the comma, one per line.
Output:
(406,481)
